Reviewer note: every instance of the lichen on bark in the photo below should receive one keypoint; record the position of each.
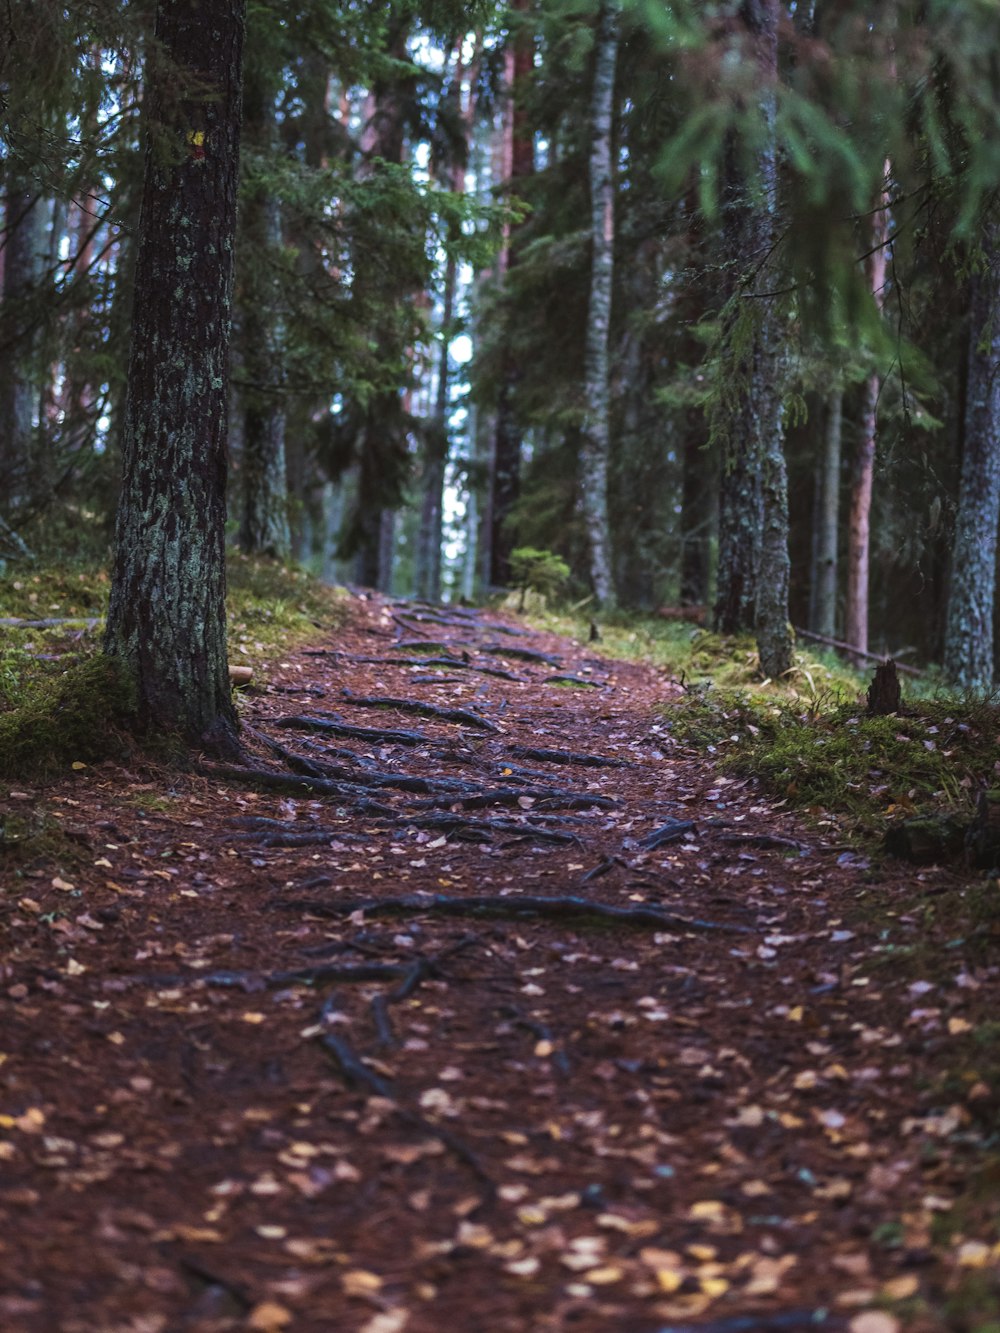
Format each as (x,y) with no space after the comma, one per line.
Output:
(166,619)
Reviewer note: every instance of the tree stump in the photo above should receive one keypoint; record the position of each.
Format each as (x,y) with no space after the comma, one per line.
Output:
(926,840)
(984,835)
(884,694)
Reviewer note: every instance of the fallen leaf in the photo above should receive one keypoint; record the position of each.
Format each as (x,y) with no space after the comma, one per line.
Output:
(874,1321)
(268,1317)
(360,1282)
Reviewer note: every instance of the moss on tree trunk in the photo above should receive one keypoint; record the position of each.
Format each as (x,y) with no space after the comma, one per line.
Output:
(166,619)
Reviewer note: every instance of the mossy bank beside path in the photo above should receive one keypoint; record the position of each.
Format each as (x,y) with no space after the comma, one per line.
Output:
(478,999)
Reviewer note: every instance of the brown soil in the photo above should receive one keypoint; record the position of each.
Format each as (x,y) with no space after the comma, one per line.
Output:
(235,1095)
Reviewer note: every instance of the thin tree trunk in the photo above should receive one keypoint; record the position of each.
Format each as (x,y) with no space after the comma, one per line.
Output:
(968,647)
(595,444)
(863,472)
(167,614)
(25,246)
(518,165)
(264,510)
(824,582)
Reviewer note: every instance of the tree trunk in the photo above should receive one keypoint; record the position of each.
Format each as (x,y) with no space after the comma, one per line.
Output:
(167,616)
(863,474)
(518,165)
(264,491)
(753,499)
(824,580)
(25,243)
(696,518)
(595,444)
(968,647)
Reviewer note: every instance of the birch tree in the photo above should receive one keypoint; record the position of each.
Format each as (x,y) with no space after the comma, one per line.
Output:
(595,441)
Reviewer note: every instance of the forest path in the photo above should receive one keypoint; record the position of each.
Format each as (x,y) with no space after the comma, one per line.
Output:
(251,1079)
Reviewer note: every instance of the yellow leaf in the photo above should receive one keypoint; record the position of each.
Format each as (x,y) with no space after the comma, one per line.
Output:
(63,885)
(76,765)
(901,1288)
(269,1317)
(360,1282)
(714,1286)
(795,1014)
(973,1254)
(956,1026)
(603,1277)
(254,1018)
(7,1121)
(805,1080)
(707,1210)
(669,1279)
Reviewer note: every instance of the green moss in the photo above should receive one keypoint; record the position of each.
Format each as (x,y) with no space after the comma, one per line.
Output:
(80,718)
(275,608)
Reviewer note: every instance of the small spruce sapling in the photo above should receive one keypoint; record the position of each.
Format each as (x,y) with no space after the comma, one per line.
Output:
(543,572)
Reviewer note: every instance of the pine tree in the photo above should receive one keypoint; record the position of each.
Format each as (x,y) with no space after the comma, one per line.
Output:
(166,620)
(968,646)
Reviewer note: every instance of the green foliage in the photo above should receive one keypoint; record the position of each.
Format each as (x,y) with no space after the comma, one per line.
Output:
(543,572)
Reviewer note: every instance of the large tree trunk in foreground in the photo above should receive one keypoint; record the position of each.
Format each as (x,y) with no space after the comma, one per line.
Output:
(596,431)
(968,647)
(167,618)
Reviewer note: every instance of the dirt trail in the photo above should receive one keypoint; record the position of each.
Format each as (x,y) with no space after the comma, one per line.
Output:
(238,1093)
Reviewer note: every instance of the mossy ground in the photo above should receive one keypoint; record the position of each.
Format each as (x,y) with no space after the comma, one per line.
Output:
(807,739)
(61,702)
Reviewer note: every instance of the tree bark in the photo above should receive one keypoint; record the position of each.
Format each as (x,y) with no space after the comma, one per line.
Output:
(968,648)
(167,616)
(518,165)
(25,245)
(863,474)
(753,497)
(264,526)
(824,580)
(596,443)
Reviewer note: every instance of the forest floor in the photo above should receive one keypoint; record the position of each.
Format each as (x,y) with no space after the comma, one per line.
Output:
(510,1016)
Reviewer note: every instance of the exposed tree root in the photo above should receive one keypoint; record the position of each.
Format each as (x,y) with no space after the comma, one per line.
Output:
(356,1071)
(581,682)
(566,757)
(312,722)
(514,905)
(522,654)
(459,715)
(673,831)
(264,777)
(479,830)
(550,797)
